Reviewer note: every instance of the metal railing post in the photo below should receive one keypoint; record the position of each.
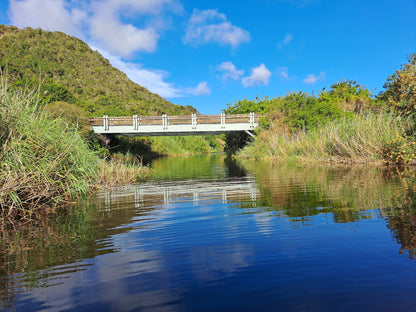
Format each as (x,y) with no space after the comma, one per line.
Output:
(251,120)
(105,121)
(135,125)
(222,118)
(165,121)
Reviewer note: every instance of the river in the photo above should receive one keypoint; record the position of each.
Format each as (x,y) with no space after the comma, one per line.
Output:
(211,234)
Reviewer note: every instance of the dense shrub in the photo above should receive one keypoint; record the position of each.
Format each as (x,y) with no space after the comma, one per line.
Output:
(43,159)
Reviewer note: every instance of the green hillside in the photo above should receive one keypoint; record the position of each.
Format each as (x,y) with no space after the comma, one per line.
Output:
(68,70)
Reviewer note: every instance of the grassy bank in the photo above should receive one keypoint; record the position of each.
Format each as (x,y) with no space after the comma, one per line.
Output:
(44,161)
(363,138)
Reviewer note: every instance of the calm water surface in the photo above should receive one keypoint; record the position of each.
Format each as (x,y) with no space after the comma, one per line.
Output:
(212,235)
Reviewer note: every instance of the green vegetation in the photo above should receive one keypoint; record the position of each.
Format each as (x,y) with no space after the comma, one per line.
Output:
(345,123)
(153,147)
(366,137)
(44,161)
(65,69)
(401,88)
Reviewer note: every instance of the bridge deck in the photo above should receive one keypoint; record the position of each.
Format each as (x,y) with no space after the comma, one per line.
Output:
(165,125)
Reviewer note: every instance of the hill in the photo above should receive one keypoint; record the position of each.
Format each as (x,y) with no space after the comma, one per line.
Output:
(68,70)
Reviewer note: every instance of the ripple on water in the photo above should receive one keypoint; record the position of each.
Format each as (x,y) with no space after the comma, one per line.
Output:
(267,237)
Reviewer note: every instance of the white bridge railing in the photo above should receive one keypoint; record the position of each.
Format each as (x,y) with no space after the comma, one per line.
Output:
(194,124)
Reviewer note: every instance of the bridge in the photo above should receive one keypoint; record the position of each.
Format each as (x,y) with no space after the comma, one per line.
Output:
(165,125)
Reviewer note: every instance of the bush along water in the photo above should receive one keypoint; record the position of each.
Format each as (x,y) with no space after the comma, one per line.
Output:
(43,159)
(46,162)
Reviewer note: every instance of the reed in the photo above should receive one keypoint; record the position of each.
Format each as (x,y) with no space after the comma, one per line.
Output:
(122,170)
(43,159)
(45,162)
(360,139)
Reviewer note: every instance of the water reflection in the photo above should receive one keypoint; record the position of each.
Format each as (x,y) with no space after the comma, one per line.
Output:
(215,233)
(347,193)
(147,194)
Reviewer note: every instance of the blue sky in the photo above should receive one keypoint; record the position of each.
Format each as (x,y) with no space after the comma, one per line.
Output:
(210,53)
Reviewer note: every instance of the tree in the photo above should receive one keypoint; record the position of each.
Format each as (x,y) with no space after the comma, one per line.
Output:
(348,95)
(401,88)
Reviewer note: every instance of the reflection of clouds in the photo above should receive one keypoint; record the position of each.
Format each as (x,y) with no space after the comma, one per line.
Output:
(134,279)
(59,296)
(141,279)
(264,222)
(213,263)
(131,280)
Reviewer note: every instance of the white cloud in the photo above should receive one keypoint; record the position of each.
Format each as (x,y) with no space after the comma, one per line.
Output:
(153,80)
(98,21)
(259,76)
(202,89)
(312,78)
(107,28)
(123,39)
(212,26)
(286,40)
(230,71)
(47,14)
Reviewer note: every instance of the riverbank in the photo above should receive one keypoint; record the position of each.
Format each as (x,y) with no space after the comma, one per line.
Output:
(379,138)
(45,162)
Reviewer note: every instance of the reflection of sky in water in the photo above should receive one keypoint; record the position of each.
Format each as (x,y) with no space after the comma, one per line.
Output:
(161,257)
(222,245)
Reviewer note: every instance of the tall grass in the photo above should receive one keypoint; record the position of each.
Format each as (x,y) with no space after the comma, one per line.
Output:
(43,160)
(122,169)
(362,139)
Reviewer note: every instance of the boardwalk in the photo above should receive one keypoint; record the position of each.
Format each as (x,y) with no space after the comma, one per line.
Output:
(165,125)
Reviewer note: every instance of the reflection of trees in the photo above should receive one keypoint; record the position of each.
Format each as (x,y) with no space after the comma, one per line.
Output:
(403,228)
(305,191)
(214,166)
(180,168)
(349,193)
(400,212)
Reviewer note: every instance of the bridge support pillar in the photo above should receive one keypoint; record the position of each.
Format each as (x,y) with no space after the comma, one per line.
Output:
(249,133)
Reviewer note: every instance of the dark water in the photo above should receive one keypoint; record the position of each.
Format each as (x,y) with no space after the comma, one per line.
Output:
(210,235)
